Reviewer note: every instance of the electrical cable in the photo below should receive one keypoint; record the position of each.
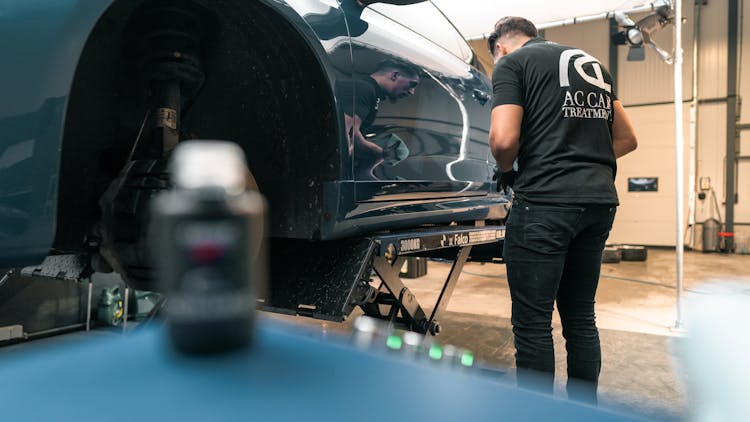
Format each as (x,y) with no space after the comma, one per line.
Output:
(716,204)
(138,136)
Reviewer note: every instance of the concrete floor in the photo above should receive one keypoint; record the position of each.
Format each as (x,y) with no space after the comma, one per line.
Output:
(642,361)
(636,316)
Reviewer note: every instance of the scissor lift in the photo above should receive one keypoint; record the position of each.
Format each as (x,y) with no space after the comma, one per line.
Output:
(328,280)
(340,276)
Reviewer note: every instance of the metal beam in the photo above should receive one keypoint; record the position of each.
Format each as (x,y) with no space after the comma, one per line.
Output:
(731,145)
(450,283)
(613,51)
(679,157)
(648,7)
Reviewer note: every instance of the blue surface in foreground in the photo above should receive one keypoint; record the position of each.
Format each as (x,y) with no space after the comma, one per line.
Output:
(288,374)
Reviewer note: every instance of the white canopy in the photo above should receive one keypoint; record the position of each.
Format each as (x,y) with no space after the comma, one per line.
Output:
(474,18)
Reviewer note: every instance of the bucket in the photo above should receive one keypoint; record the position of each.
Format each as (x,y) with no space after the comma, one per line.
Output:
(726,241)
(711,235)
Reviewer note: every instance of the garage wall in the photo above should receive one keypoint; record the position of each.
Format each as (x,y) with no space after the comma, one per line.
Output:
(480,49)
(649,217)
(712,118)
(646,89)
(711,152)
(742,208)
(590,37)
(712,58)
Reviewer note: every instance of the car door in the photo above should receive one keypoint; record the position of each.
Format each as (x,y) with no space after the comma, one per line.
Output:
(432,148)
(326,18)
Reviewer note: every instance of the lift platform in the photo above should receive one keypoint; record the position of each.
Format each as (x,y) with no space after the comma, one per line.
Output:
(328,280)
(324,280)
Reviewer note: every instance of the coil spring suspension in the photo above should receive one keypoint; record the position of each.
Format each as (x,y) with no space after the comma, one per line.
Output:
(167,38)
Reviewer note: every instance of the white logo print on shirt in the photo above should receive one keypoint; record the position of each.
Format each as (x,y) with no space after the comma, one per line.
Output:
(597,81)
(591,104)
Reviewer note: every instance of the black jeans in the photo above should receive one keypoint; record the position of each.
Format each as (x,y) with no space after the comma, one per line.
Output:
(553,253)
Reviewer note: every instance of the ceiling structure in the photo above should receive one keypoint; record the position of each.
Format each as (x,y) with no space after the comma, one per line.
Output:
(475,18)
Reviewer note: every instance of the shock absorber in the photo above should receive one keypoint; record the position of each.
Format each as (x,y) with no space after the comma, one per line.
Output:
(163,44)
(167,38)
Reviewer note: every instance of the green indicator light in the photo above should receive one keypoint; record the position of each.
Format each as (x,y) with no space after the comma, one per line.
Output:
(394,342)
(467,359)
(436,352)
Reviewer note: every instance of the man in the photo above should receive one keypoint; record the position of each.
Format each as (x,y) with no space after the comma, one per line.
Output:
(391,80)
(555,112)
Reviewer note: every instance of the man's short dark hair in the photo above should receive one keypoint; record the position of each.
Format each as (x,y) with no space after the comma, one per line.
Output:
(491,42)
(511,25)
(403,68)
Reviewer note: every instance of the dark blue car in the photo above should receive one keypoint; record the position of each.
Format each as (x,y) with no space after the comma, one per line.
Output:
(354,118)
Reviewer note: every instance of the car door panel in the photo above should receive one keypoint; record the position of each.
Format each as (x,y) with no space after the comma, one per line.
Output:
(433,123)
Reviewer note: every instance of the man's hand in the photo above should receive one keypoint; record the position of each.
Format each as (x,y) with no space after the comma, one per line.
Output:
(505,181)
(389,152)
(623,134)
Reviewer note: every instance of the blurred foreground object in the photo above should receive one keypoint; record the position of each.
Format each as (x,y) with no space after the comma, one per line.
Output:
(715,351)
(207,246)
(290,374)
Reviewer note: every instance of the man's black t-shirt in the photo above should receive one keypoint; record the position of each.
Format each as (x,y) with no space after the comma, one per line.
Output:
(367,99)
(565,148)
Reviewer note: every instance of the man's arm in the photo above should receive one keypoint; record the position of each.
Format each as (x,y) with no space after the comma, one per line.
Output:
(505,131)
(349,124)
(623,134)
(358,140)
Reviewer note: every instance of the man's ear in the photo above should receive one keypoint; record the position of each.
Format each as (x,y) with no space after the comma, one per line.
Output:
(394,75)
(504,49)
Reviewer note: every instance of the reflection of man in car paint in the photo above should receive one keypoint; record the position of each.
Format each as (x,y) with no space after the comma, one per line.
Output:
(361,98)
